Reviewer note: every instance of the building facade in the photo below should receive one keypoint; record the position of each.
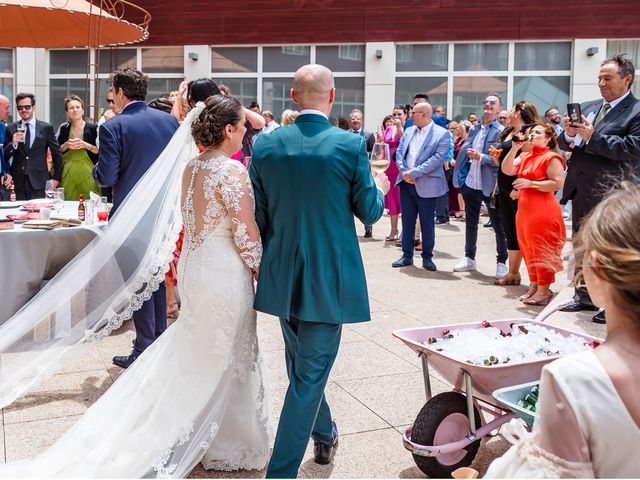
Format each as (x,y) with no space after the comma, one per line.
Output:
(381,55)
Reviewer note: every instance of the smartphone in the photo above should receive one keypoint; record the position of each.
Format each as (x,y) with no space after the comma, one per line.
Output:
(574,112)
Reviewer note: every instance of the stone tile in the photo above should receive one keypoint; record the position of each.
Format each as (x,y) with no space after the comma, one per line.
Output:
(28,439)
(276,369)
(350,414)
(90,359)
(2,439)
(395,398)
(61,396)
(375,454)
(364,360)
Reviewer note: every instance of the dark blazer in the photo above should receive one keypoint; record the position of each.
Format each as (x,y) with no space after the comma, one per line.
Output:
(310,179)
(369,138)
(32,162)
(4,166)
(89,135)
(612,153)
(129,144)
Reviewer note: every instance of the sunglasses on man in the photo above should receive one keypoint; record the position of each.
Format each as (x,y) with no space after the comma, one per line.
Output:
(24,107)
(489,102)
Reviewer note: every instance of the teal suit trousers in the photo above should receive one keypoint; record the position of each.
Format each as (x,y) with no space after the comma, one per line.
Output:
(310,350)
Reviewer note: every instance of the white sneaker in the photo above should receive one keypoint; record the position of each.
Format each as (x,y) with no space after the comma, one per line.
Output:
(501,270)
(465,265)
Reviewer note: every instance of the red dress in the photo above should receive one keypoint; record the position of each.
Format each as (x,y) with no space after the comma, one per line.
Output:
(539,223)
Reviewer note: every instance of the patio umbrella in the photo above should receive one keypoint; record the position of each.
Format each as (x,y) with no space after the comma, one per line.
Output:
(70,23)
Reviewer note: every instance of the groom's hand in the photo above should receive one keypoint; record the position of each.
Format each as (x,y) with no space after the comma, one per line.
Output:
(382,182)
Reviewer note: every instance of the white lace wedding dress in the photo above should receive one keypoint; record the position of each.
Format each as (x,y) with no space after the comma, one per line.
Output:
(198,393)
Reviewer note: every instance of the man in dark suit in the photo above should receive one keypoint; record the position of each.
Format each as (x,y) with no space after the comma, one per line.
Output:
(355,122)
(26,145)
(605,148)
(129,144)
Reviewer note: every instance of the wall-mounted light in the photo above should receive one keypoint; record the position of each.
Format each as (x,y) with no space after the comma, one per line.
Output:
(378,53)
(193,56)
(591,51)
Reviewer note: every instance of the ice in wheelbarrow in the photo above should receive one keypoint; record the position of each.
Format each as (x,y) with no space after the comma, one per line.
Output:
(491,346)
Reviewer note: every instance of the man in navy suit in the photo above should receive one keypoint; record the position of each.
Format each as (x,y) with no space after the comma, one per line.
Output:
(129,144)
(421,153)
(606,151)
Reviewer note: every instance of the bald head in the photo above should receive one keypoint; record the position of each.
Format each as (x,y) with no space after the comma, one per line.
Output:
(422,113)
(313,87)
(5,107)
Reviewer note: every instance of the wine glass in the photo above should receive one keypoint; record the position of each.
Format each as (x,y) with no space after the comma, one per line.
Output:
(58,203)
(102,210)
(49,191)
(380,157)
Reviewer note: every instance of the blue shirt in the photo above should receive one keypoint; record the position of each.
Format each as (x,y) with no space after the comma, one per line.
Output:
(3,133)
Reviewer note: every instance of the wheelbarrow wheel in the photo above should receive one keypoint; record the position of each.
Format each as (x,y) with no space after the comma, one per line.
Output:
(443,419)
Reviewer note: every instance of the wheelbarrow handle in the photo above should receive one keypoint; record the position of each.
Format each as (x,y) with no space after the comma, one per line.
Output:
(551,309)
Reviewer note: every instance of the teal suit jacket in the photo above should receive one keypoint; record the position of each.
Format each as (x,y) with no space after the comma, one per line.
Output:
(310,179)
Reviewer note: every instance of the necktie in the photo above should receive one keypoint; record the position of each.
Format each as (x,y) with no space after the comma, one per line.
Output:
(603,111)
(27,136)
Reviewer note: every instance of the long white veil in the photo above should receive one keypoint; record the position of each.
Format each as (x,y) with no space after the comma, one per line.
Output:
(109,280)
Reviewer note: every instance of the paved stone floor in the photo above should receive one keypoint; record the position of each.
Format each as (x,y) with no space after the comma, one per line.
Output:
(376,387)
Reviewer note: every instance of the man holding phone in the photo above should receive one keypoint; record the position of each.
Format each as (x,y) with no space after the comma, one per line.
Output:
(605,146)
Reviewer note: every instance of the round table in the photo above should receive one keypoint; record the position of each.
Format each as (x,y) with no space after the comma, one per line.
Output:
(30,257)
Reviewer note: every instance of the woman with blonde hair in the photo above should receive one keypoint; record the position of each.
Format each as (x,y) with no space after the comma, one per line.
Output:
(288,117)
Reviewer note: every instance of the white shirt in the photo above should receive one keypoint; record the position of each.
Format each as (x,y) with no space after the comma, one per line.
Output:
(270,127)
(612,103)
(312,111)
(416,144)
(32,131)
(474,178)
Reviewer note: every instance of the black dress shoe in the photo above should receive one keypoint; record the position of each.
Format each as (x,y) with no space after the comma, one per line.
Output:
(368,232)
(578,307)
(124,361)
(599,318)
(323,454)
(488,224)
(441,221)
(402,262)
(429,265)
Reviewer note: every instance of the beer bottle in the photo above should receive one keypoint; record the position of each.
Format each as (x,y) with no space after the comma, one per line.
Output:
(12,193)
(81,209)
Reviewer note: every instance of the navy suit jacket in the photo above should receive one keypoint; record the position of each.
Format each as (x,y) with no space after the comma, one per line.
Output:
(129,144)
(488,167)
(4,166)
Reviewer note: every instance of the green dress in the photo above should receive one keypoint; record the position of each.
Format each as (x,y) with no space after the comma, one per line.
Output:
(77,176)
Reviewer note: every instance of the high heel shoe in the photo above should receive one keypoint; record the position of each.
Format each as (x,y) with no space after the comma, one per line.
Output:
(527,295)
(509,279)
(543,302)
(392,237)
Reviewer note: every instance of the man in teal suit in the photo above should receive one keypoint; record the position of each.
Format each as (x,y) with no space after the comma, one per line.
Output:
(310,179)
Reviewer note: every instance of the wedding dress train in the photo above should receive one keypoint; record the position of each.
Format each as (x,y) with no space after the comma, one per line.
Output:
(198,393)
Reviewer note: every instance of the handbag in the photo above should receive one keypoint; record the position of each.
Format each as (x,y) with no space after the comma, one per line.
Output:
(493,199)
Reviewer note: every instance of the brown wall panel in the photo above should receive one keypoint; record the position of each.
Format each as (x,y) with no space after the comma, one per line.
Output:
(358,21)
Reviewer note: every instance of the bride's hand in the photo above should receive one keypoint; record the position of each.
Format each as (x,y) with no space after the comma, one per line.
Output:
(256,273)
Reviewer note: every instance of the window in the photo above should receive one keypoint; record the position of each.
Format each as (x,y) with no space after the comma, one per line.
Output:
(114,59)
(162,87)
(285,59)
(630,47)
(63,62)
(163,60)
(6,79)
(543,56)
(244,89)
(469,92)
(276,95)
(480,56)
(59,89)
(544,92)
(349,95)
(418,58)
(435,87)
(341,58)
(234,59)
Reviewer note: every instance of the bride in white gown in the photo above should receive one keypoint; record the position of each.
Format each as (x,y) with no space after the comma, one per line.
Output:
(199,392)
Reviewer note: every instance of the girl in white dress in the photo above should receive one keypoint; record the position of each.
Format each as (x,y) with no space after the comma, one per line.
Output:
(588,418)
(198,393)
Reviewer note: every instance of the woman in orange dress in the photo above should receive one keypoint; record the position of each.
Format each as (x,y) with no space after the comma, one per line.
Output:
(539,223)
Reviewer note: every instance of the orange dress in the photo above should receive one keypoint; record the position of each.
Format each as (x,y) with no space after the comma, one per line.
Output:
(539,223)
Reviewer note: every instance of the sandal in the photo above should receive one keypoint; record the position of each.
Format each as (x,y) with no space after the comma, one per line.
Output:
(173,310)
(542,302)
(527,295)
(509,279)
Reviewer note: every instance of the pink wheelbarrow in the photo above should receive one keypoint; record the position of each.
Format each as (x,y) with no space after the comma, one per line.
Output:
(447,432)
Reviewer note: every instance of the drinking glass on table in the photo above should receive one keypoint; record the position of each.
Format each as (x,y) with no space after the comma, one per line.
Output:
(380,157)
(58,202)
(49,191)
(102,210)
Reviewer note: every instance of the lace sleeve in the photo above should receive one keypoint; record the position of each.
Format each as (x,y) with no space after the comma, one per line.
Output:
(237,195)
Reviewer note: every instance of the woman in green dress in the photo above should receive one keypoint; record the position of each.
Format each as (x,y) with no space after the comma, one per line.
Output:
(77,140)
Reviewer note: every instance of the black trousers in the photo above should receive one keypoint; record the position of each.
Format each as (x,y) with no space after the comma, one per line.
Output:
(27,192)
